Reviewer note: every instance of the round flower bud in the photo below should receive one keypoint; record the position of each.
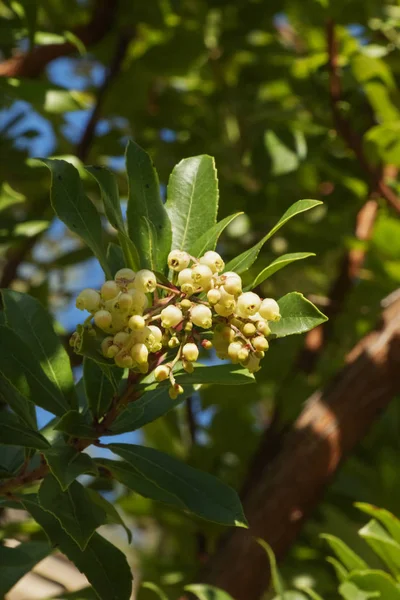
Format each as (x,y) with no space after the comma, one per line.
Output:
(145,281)
(109,290)
(142,336)
(213,260)
(233,285)
(171,316)
(124,276)
(188,326)
(88,300)
(103,319)
(213,296)
(185,276)
(202,275)
(173,342)
(233,351)
(190,352)
(188,288)
(248,304)
(207,344)
(136,322)
(243,354)
(140,353)
(106,345)
(161,373)
(249,329)
(262,327)
(186,304)
(139,300)
(178,260)
(123,360)
(201,316)
(124,302)
(188,366)
(269,309)
(226,309)
(173,393)
(119,320)
(121,338)
(156,333)
(112,351)
(260,343)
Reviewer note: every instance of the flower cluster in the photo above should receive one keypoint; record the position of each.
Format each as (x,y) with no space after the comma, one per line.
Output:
(146,319)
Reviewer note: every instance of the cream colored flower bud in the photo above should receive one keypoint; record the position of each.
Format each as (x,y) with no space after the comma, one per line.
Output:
(142,336)
(139,300)
(109,290)
(243,354)
(173,393)
(185,276)
(161,373)
(112,351)
(269,310)
(233,351)
(202,276)
(225,332)
(249,329)
(190,352)
(124,302)
(233,285)
(263,327)
(173,342)
(226,309)
(88,300)
(213,261)
(103,319)
(188,288)
(201,316)
(136,322)
(124,277)
(123,360)
(188,366)
(178,260)
(156,333)
(121,338)
(139,353)
(260,343)
(171,316)
(106,345)
(213,296)
(248,304)
(145,281)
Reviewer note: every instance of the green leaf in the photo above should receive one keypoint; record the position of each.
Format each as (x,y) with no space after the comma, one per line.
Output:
(73,508)
(99,389)
(113,516)
(286,154)
(77,424)
(376,582)
(313,594)
(148,221)
(207,592)
(383,544)
(192,202)
(66,464)
(244,261)
(23,407)
(147,585)
(209,239)
(13,432)
(90,345)
(11,460)
(147,408)
(103,564)
(157,475)
(275,576)
(115,257)
(345,554)
(27,317)
(75,209)
(340,571)
(349,591)
(22,371)
(16,562)
(297,316)
(391,523)
(277,265)
(110,196)
(223,374)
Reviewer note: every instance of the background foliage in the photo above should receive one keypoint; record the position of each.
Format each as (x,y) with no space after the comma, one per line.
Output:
(294,100)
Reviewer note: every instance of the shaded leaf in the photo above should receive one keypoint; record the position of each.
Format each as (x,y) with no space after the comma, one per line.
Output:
(383,544)
(73,508)
(27,317)
(113,516)
(297,316)
(77,424)
(16,562)
(66,464)
(99,388)
(275,575)
(242,262)
(345,554)
(277,265)
(375,582)
(157,475)
(13,432)
(103,564)
(391,523)
(192,202)
(75,209)
(209,239)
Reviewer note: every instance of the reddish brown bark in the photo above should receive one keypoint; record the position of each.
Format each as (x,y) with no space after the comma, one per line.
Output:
(287,489)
